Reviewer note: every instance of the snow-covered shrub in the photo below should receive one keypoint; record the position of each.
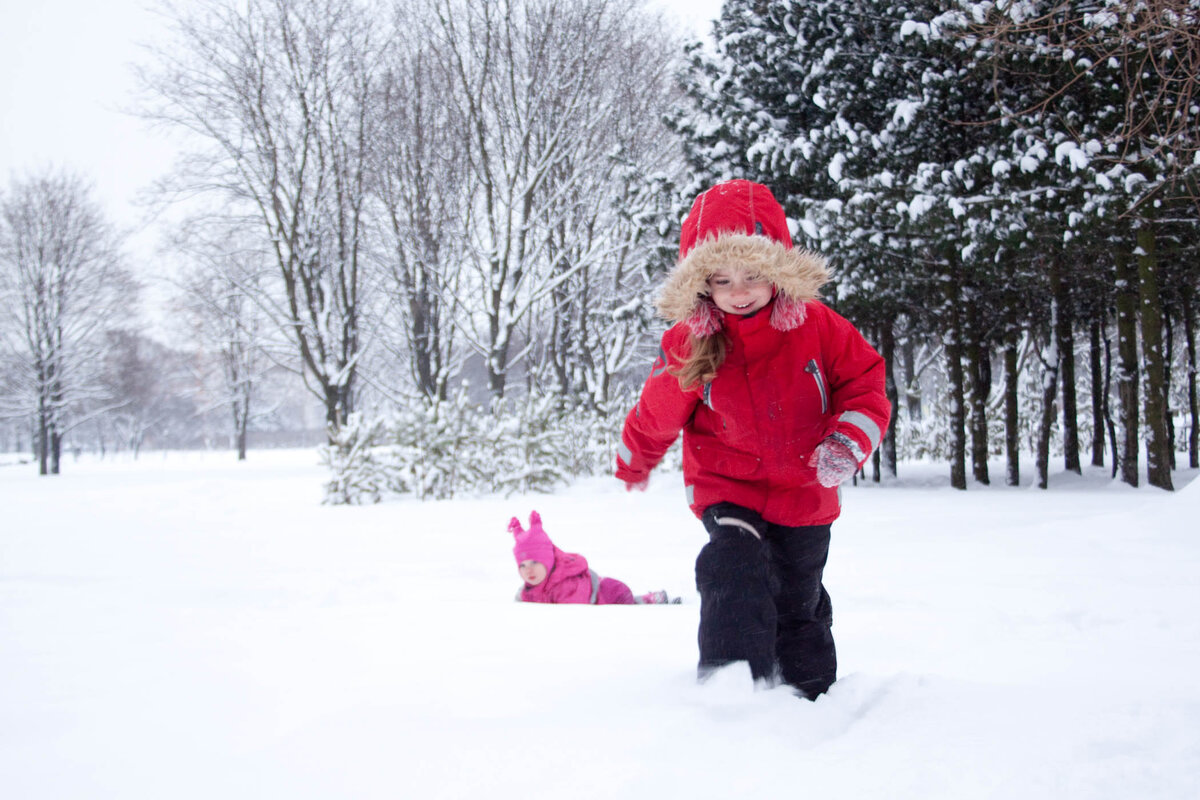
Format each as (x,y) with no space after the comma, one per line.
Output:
(438,451)
(356,469)
(927,438)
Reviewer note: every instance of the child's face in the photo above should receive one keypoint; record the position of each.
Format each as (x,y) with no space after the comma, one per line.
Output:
(532,572)
(736,290)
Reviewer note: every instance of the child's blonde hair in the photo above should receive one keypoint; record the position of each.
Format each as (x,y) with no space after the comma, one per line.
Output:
(705,357)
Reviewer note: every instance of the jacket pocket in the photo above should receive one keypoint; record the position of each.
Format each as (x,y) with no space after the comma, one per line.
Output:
(814,369)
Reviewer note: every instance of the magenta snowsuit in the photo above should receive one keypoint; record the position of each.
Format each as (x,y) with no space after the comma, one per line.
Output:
(572,582)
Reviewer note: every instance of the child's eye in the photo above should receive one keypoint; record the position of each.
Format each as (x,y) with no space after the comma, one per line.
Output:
(754,279)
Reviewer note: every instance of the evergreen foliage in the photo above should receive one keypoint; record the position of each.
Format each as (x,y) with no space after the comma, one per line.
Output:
(976,171)
(443,450)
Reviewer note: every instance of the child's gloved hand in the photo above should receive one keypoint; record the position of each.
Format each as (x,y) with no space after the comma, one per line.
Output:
(834,463)
(637,486)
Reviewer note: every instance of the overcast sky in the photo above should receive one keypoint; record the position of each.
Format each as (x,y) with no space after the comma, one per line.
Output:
(66,83)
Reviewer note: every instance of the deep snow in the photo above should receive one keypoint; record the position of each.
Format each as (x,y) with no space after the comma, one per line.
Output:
(185,626)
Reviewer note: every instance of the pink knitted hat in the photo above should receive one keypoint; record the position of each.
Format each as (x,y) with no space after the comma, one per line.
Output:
(532,544)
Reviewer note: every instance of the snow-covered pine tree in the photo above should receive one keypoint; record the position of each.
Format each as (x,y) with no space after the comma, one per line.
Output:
(793,95)
(850,112)
(1116,78)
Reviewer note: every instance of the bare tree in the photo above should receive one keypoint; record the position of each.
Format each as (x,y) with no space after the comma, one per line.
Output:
(532,85)
(425,197)
(148,396)
(277,96)
(626,180)
(226,272)
(62,278)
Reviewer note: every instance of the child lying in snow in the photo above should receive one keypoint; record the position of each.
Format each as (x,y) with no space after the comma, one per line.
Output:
(552,576)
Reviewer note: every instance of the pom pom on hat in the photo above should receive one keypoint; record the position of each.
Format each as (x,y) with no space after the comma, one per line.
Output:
(788,313)
(532,544)
(706,320)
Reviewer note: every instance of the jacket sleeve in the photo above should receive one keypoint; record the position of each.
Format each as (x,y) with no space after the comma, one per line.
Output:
(858,398)
(662,409)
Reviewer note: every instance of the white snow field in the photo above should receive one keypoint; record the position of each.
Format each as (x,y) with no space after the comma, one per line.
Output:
(185,626)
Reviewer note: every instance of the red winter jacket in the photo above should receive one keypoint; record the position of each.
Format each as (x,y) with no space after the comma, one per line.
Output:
(749,434)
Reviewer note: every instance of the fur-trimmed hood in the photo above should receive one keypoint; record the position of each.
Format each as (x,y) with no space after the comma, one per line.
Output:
(739,223)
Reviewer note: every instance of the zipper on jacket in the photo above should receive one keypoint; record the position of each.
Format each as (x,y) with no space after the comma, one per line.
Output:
(814,369)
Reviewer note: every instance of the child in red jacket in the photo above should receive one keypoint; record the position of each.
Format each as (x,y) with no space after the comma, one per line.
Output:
(552,576)
(780,400)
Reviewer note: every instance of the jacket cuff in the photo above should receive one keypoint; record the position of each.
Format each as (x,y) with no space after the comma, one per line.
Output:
(625,470)
(858,432)
(851,445)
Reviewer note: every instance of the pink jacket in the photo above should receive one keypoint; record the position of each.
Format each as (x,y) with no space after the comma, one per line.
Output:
(572,582)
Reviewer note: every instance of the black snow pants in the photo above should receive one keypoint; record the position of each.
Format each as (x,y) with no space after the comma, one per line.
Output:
(762,601)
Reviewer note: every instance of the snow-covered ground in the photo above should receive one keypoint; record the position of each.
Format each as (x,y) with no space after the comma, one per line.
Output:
(185,626)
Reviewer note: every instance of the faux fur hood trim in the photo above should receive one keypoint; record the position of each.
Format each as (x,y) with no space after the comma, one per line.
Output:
(797,276)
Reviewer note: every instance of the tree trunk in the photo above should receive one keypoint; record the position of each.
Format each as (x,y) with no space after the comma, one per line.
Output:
(497,356)
(428,345)
(1168,360)
(1109,425)
(242,419)
(1049,393)
(1012,433)
(979,370)
(1096,368)
(337,408)
(55,452)
(1051,358)
(1065,335)
(1189,334)
(1127,364)
(43,440)
(1158,457)
(954,371)
(912,393)
(887,347)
